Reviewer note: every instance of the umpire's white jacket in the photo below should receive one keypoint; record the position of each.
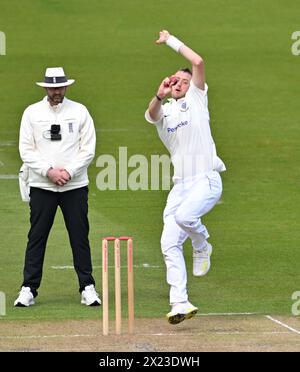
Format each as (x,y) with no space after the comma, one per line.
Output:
(74,152)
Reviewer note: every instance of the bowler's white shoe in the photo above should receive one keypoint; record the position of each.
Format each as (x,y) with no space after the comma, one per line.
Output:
(181,311)
(25,298)
(201,260)
(90,297)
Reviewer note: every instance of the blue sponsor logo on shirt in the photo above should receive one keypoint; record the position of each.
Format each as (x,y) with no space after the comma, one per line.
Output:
(181,124)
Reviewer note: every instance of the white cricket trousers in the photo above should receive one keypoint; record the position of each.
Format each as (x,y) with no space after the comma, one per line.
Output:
(187,202)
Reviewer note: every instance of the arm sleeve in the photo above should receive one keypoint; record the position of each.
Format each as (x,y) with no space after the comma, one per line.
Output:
(87,145)
(28,152)
(198,94)
(150,120)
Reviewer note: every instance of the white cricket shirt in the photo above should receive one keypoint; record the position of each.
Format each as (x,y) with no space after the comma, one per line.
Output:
(74,152)
(184,129)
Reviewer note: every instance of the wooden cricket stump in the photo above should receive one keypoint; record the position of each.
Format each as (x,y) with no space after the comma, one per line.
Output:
(117,272)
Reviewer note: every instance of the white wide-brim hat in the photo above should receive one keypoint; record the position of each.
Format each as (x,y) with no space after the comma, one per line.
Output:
(55,78)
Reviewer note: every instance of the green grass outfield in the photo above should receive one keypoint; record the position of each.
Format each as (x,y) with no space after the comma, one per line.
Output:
(254,90)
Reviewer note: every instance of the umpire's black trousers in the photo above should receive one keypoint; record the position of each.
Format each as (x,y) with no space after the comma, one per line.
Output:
(43,207)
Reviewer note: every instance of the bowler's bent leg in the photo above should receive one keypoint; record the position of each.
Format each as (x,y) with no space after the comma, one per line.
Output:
(202,197)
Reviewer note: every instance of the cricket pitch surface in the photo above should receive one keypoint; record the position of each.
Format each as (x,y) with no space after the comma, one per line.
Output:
(209,333)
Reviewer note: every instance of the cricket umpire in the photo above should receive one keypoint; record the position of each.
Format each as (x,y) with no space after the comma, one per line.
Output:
(57,144)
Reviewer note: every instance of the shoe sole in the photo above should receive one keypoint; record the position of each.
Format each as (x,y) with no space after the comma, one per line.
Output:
(19,304)
(178,318)
(95,303)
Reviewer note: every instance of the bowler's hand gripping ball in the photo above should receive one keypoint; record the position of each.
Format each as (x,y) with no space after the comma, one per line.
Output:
(173,80)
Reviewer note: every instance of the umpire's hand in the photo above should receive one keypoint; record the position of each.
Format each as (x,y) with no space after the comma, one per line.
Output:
(58,176)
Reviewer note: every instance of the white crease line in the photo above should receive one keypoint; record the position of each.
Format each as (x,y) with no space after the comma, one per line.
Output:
(143,266)
(117,130)
(144,334)
(216,332)
(42,336)
(8,177)
(282,324)
(226,314)
(8,143)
